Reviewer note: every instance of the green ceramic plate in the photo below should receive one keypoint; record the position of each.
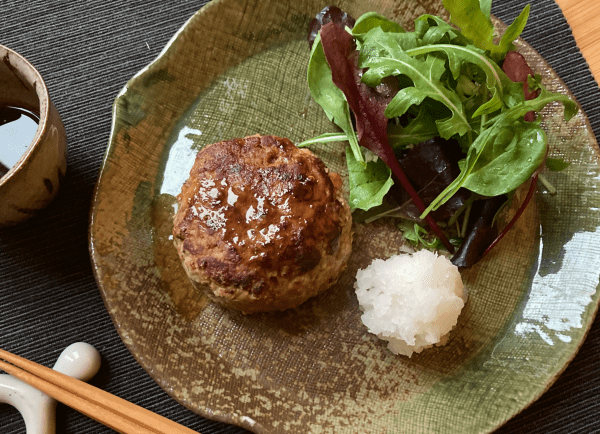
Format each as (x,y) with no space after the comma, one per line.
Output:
(238,68)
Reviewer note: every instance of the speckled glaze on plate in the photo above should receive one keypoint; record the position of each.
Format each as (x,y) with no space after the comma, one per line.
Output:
(237,68)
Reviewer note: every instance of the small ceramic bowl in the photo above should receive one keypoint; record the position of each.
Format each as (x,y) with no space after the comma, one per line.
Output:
(33,181)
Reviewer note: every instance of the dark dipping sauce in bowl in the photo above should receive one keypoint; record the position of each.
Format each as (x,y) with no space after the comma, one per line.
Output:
(17,130)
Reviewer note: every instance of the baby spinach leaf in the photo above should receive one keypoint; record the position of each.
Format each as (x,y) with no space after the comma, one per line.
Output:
(515,152)
(329,96)
(368,184)
(556,164)
(488,146)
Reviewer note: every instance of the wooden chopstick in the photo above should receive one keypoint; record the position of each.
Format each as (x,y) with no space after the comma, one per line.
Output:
(110,410)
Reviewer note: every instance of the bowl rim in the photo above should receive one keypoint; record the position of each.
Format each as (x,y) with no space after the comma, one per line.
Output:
(43,96)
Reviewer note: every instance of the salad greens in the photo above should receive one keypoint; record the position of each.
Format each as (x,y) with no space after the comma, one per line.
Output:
(506,153)
(389,90)
(473,18)
(329,96)
(368,107)
(556,164)
(368,185)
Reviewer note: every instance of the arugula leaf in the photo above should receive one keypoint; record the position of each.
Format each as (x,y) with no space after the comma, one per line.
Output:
(512,32)
(409,231)
(415,234)
(424,74)
(534,82)
(473,18)
(403,41)
(474,23)
(502,88)
(329,96)
(371,20)
(368,185)
(421,128)
(434,30)
(546,97)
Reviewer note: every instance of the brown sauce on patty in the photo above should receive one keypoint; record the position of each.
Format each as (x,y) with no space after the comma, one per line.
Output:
(257,208)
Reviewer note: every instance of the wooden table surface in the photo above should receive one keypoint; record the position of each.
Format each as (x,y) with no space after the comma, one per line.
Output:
(583,17)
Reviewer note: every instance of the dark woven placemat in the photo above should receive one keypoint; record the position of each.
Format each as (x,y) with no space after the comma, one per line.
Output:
(86,52)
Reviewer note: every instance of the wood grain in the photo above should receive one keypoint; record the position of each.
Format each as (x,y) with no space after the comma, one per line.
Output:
(584,18)
(108,409)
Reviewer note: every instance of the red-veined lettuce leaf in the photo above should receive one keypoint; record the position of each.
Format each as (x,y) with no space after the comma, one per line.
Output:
(368,108)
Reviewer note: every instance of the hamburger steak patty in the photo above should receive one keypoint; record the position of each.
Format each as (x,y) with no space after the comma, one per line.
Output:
(261,224)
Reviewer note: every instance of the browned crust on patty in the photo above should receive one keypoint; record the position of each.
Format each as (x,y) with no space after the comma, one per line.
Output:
(261,224)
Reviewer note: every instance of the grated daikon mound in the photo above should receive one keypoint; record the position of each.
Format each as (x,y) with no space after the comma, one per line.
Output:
(411,301)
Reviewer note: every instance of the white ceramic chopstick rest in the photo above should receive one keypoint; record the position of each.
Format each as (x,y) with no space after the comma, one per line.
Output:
(79,360)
